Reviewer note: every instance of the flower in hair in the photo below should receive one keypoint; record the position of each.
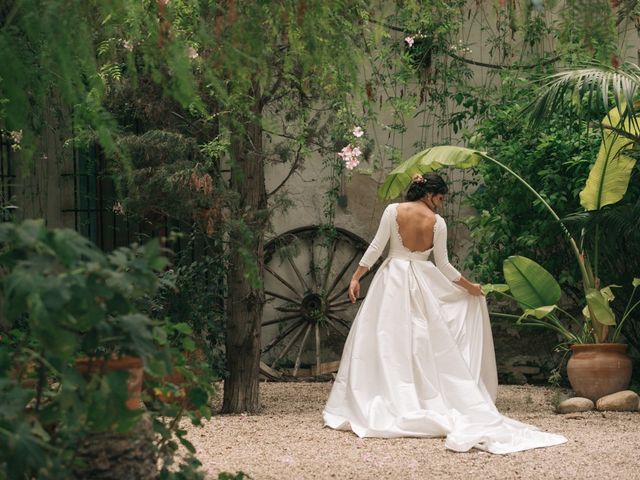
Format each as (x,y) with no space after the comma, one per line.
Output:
(417,178)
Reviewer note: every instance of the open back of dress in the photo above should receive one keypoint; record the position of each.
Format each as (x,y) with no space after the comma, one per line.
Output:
(419,359)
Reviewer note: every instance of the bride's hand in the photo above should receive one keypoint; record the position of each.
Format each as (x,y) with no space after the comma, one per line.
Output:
(475,289)
(354,290)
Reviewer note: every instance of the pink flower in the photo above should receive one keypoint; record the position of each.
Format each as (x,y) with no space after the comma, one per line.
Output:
(127,45)
(357,132)
(351,164)
(409,40)
(349,155)
(345,153)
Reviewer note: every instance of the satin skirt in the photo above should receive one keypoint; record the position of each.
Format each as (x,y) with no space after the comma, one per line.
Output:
(419,362)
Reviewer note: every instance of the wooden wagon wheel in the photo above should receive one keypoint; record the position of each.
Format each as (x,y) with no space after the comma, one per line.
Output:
(307,314)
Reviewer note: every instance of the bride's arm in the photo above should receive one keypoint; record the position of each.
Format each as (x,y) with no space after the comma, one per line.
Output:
(372,254)
(441,259)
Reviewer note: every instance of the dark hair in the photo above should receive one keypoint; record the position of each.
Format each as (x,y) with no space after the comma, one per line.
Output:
(432,183)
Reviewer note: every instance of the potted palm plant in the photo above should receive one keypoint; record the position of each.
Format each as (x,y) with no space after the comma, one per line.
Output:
(599,365)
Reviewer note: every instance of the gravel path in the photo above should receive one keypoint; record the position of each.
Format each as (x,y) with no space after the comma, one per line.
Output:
(287,441)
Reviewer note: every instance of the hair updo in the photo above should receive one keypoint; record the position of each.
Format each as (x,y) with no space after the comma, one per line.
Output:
(431,183)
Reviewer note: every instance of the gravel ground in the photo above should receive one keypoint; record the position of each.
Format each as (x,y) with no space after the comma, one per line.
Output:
(287,441)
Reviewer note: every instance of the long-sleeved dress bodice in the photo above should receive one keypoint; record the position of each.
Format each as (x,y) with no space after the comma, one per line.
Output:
(419,358)
(388,229)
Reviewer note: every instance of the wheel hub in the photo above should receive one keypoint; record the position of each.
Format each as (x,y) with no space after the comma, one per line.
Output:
(313,306)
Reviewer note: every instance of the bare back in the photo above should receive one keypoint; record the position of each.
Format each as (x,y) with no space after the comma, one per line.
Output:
(415,226)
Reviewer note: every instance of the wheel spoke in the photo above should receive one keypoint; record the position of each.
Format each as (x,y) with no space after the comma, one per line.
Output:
(342,272)
(281,319)
(281,336)
(341,321)
(341,303)
(298,274)
(332,324)
(317,347)
(332,253)
(343,309)
(300,349)
(282,280)
(346,288)
(286,349)
(288,309)
(282,297)
(339,294)
(312,261)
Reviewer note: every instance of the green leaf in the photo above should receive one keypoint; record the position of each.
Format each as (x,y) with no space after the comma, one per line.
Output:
(183,328)
(609,177)
(425,161)
(539,312)
(188,344)
(600,308)
(608,293)
(495,287)
(197,397)
(187,444)
(531,285)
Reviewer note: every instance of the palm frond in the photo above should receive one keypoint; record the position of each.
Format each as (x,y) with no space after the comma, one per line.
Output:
(620,223)
(597,84)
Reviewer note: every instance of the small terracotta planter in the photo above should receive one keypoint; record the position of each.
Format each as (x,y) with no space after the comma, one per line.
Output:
(91,365)
(179,396)
(598,369)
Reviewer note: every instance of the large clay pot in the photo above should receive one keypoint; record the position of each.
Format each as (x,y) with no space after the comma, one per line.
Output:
(90,365)
(598,369)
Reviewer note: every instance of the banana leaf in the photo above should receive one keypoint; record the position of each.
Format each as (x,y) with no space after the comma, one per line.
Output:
(609,177)
(599,306)
(425,161)
(494,287)
(539,312)
(531,285)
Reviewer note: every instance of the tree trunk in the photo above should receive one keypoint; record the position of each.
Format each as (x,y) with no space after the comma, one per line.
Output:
(245,301)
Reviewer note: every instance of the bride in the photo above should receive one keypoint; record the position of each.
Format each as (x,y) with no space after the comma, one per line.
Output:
(419,359)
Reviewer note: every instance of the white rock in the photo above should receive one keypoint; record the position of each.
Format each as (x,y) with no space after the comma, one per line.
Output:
(624,401)
(575,404)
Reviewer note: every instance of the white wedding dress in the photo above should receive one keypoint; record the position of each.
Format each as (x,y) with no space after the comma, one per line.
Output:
(419,359)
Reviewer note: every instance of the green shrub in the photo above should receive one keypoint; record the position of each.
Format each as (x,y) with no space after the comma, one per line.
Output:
(61,298)
(555,162)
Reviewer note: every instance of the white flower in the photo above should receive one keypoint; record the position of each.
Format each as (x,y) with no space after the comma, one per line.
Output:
(409,40)
(192,53)
(357,132)
(127,45)
(16,138)
(118,209)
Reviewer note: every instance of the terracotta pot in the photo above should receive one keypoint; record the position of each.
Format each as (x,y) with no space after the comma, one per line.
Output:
(91,365)
(598,369)
(179,396)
